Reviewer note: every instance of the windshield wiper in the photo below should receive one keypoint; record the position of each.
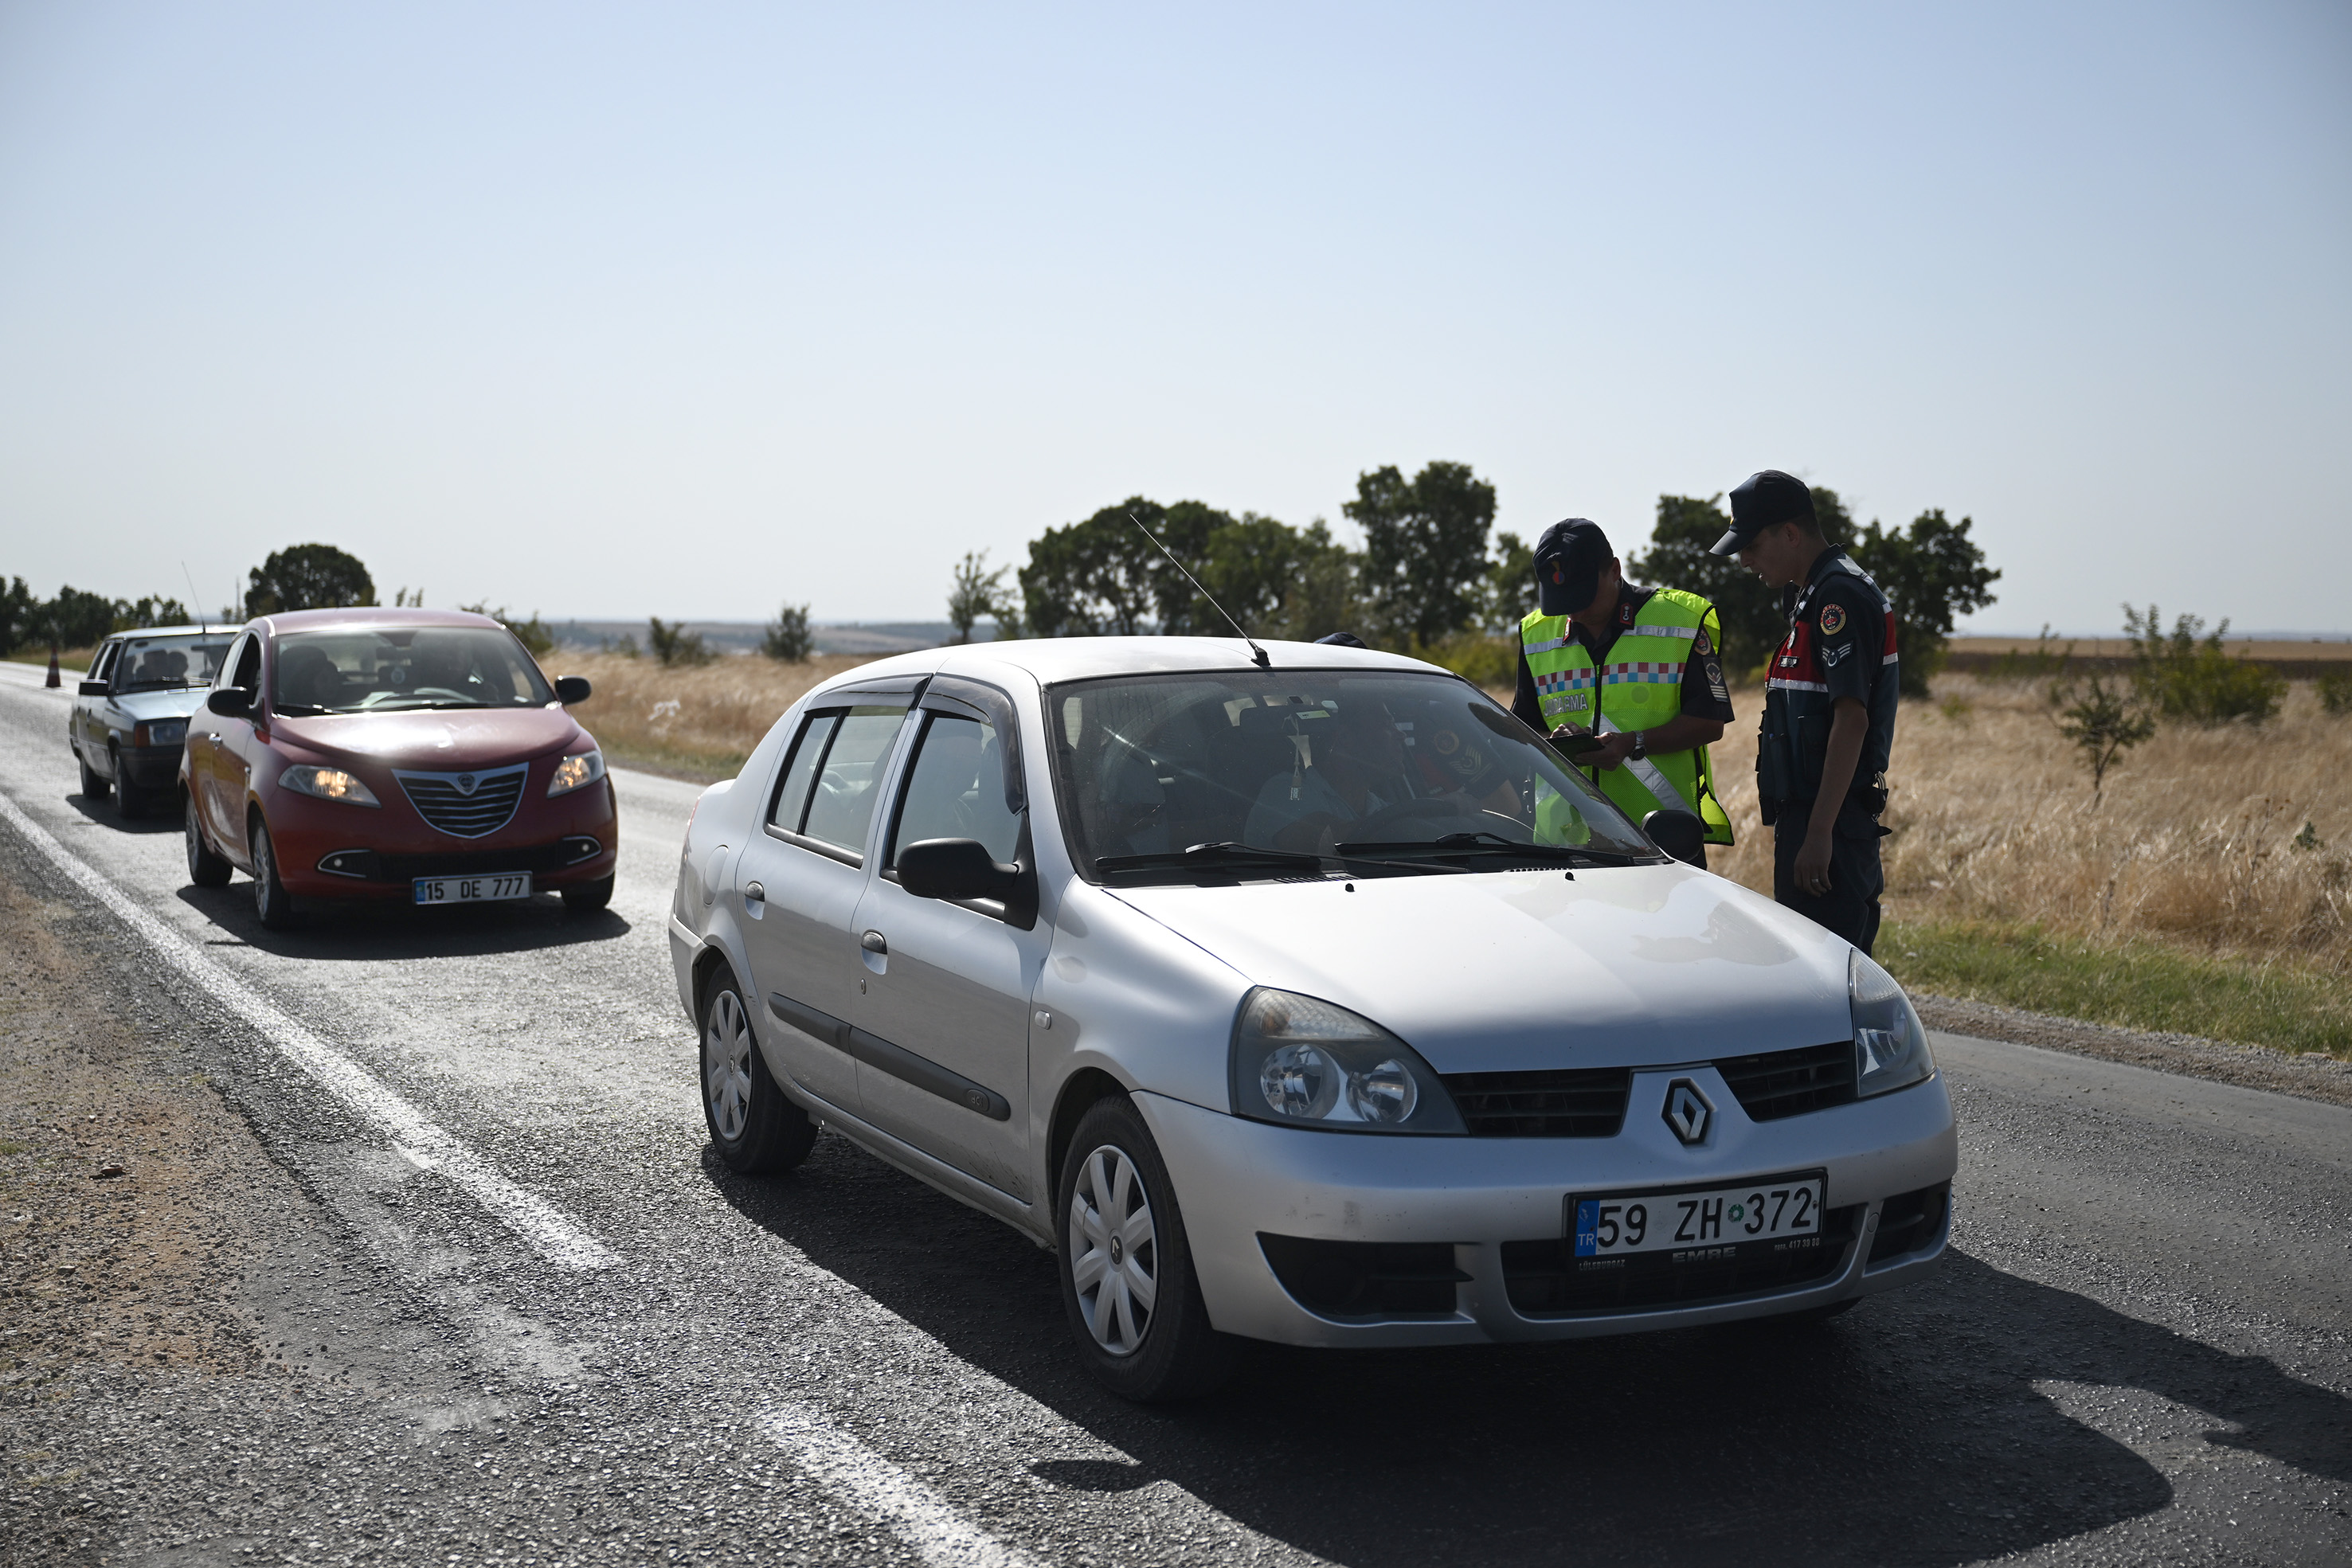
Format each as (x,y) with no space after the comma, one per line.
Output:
(1228,853)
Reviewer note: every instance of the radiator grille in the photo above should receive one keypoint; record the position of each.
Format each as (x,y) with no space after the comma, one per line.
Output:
(1564,1103)
(1790,1082)
(466,805)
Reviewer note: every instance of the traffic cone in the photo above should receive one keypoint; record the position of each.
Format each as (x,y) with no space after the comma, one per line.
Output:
(53,680)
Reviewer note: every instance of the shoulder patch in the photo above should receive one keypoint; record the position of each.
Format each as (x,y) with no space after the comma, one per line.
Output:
(1700,645)
(1833,620)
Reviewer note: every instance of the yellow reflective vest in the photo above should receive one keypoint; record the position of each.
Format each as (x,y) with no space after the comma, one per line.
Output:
(1640,687)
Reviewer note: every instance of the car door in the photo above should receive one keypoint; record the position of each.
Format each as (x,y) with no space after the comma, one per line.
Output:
(90,713)
(799,879)
(228,754)
(947,1003)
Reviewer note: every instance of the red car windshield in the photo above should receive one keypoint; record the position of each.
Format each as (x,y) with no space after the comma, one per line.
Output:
(380,669)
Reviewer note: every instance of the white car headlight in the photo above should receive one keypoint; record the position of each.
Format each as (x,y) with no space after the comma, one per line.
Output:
(1890,1044)
(327,784)
(575,771)
(1304,1063)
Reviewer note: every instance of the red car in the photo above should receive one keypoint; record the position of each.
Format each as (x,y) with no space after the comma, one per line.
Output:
(400,756)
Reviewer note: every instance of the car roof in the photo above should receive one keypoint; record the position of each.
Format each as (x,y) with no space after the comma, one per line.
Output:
(1048,661)
(366,615)
(225,629)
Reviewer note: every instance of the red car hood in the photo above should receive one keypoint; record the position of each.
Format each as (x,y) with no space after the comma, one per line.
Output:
(440,741)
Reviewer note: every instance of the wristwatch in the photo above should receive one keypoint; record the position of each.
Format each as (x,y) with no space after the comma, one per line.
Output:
(1641,745)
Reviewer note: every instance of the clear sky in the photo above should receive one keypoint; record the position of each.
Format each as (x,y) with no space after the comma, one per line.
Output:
(612,310)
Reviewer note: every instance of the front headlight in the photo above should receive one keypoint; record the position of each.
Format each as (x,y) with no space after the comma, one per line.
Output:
(327,784)
(1890,1044)
(574,771)
(1305,1062)
(162,732)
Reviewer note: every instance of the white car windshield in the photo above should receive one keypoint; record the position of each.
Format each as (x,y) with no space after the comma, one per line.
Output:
(1281,772)
(153,664)
(379,669)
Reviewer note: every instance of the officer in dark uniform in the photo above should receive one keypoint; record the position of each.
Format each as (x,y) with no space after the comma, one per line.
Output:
(1829,709)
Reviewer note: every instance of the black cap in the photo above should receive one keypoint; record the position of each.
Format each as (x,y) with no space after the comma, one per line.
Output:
(1569,559)
(1759,501)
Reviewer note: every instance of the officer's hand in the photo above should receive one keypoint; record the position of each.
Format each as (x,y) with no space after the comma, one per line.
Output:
(1615,746)
(1813,869)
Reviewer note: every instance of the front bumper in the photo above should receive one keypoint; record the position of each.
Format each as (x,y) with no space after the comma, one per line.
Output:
(1500,1202)
(326,849)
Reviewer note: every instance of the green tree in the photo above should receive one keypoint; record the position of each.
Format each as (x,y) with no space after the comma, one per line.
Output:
(19,614)
(131,614)
(308,577)
(1424,560)
(1101,578)
(1934,573)
(673,644)
(534,634)
(75,619)
(1510,585)
(2102,723)
(976,591)
(2184,677)
(790,641)
(1754,620)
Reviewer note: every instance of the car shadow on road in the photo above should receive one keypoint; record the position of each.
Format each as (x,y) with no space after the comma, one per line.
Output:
(1909,1430)
(370,932)
(162,816)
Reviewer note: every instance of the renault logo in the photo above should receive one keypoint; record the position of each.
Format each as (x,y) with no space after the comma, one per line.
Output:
(1689,1110)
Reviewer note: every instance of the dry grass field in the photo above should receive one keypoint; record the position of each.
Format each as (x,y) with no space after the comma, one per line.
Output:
(697,720)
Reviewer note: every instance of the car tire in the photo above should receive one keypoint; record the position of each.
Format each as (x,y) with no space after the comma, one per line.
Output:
(129,800)
(205,869)
(270,902)
(756,1130)
(1173,1353)
(93,787)
(589,898)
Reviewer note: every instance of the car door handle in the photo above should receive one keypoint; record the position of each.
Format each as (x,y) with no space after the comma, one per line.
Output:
(754,894)
(874,942)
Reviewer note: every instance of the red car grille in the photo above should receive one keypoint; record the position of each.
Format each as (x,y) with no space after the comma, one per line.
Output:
(466,805)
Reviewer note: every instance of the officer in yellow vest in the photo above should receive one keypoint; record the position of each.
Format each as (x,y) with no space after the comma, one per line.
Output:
(1640,667)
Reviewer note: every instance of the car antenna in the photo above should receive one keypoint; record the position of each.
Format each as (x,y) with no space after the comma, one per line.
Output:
(1257,655)
(202,619)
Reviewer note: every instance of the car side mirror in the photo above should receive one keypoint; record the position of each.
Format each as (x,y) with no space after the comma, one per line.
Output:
(1679,833)
(569,689)
(92,688)
(954,869)
(230,701)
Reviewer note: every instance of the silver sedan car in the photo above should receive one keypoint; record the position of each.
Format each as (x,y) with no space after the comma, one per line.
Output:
(1316,1001)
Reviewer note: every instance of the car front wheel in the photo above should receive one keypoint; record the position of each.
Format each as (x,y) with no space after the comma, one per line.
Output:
(270,898)
(1134,1304)
(754,1127)
(205,869)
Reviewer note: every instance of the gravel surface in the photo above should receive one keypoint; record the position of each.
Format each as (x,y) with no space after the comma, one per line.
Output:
(2312,1074)
(283,1342)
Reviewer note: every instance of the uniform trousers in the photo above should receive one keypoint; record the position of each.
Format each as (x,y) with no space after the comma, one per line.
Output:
(1850,908)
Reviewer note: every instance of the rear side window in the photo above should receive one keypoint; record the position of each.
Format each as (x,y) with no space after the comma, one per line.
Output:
(956,790)
(834,777)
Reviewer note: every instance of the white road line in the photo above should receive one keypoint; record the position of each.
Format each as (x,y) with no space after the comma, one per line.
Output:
(915,1510)
(553,1234)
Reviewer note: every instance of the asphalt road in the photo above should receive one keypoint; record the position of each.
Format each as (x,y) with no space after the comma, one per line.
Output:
(505,1306)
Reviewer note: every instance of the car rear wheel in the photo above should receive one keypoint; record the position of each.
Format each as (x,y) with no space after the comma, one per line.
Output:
(129,800)
(270,898)
(93,787)
(1134,1304)
(588,897)
(205,869)
(755,1128)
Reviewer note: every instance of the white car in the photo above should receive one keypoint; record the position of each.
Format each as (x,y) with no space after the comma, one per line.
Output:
(1318,1003)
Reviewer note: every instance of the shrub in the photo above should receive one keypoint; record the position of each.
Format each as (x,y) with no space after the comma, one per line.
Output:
(2336,692)
(790,641)
(2183,675)
(673,644)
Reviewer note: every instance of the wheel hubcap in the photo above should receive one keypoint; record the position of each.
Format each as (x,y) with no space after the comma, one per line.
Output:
(727,1066)
(1114,1251)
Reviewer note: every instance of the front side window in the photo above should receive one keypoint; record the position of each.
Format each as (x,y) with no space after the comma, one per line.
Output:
(848,777)
(153,664)
(246,674)
(1315,764)
(956,790)
(384,669)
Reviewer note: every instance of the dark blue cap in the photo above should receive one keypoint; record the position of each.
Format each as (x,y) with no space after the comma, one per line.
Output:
(1761,500)
(1569,559)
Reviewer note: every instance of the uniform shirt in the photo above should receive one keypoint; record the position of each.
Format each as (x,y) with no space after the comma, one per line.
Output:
(1841,643)
(1704,694)
(1844,628)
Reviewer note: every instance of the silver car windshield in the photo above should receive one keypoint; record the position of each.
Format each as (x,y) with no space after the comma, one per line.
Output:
(380,669)
(155,664)
(1272,773)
